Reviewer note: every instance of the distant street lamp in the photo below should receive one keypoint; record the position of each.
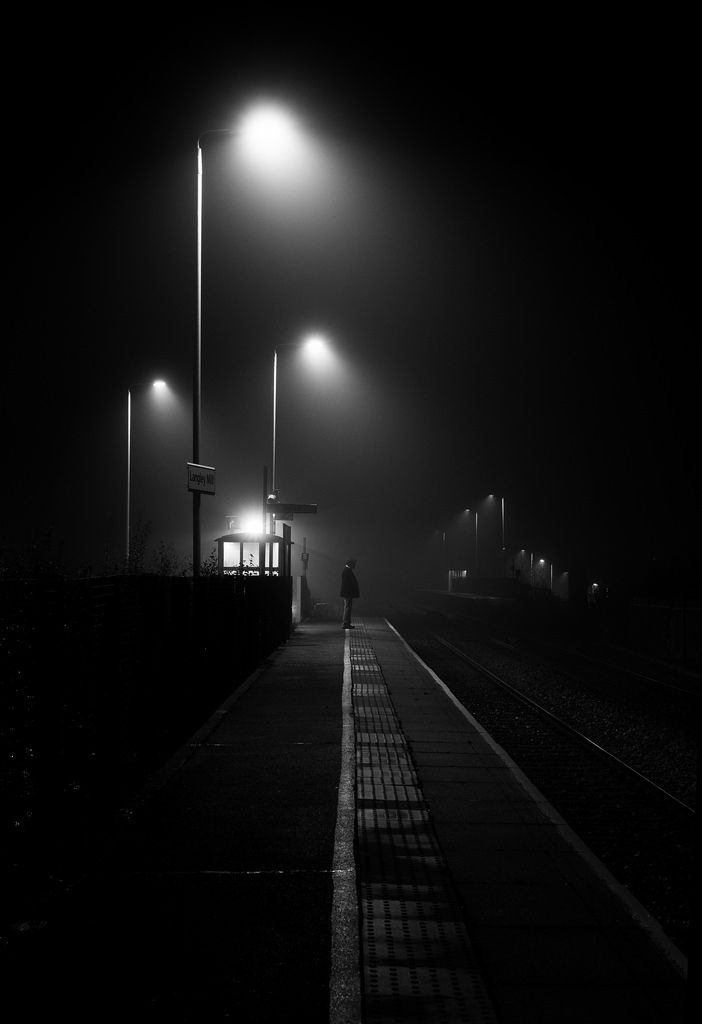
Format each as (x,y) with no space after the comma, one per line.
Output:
(157,385)
(541,563)
(475,564)
(476,543)
(313,343)
(488,503)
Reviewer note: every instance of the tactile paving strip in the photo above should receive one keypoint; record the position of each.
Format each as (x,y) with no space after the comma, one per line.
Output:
(417,960)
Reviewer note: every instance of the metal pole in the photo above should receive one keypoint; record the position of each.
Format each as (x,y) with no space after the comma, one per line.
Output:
(275,411)
(262,544)
(197,369)
(129,476)
(275,408)
(476,544)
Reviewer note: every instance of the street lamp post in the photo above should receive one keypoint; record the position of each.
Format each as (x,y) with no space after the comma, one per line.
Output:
(197,361)
(275,413)
(269,133)
(311,341)
(155,384)
(476,544)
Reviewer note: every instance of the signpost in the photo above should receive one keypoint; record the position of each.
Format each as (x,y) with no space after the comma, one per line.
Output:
(284,510)
(201,478)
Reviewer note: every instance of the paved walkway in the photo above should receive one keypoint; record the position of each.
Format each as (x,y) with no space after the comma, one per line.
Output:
(342,842)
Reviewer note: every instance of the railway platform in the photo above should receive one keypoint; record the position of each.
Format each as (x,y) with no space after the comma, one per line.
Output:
(341,841)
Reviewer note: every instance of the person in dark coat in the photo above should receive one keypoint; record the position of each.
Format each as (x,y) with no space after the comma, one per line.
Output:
(349,591)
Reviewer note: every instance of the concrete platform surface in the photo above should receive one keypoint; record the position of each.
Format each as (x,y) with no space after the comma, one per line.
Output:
(342,842)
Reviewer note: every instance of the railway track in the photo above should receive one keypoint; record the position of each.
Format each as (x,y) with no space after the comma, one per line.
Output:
(560,723)
(621,772)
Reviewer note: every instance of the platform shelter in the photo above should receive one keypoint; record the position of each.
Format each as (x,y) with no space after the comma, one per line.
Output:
(242,553)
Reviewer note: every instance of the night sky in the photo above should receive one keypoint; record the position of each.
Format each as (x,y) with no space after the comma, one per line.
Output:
(497,247)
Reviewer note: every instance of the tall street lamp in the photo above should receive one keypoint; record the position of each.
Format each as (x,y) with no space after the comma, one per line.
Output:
(268,135)
(157,385)
(197,362)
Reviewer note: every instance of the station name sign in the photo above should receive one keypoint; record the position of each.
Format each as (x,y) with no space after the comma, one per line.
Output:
(201,478)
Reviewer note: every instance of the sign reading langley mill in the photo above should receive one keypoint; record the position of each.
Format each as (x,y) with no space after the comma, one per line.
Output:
(201,478)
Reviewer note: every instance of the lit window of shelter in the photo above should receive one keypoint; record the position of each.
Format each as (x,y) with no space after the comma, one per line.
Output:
(254,554)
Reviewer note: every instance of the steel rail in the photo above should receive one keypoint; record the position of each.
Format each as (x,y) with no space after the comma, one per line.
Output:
(600,751)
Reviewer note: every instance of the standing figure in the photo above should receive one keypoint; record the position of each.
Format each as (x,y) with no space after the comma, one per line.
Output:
(349,591)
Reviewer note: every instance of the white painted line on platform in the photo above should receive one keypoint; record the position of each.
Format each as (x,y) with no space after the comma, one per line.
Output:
(345,977)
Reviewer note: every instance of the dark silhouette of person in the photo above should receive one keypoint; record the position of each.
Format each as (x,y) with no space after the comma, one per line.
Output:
(349,591)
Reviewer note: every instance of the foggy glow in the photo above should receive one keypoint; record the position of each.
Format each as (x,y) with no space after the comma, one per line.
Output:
(315,344)
(275,150)
(317,350)
(268,133)
(251,522)
(285,173)
(162,396)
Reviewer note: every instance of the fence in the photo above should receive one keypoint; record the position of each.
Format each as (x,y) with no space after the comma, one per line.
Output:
(670,631)
(102,679)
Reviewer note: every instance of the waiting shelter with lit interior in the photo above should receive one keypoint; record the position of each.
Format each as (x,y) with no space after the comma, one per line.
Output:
(242,553)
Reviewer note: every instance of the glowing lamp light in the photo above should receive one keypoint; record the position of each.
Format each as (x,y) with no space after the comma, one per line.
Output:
(269,131)
(315,343)
(317,350)
(277,152)
(251,523)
